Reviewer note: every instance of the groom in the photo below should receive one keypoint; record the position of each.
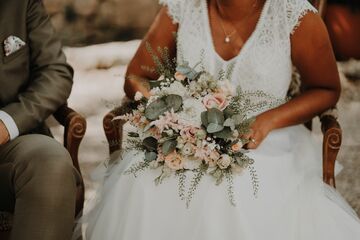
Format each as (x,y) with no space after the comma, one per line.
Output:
(37,179)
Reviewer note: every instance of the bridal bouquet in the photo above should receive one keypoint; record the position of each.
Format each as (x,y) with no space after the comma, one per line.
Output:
(193,122)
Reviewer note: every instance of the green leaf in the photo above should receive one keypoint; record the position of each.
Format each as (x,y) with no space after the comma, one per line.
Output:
(224,134)
(150,156)
(238,119)
(215,116)
(204,118)
(173,101)
(230,123)
(155,109)
(214,127)
(187,71)
(154,84)
(150,143)
(133,134)
(229,112)
(169,146)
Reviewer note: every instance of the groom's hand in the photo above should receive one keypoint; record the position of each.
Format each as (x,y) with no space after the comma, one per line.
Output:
(4,134)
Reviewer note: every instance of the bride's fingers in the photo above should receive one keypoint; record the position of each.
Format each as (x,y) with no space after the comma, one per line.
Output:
(254,141)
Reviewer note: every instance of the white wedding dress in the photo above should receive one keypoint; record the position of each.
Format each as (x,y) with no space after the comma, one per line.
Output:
(292,202)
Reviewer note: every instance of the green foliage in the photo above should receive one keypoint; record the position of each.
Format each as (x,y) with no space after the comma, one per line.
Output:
(162,105)
(168,147)
(150,156)
(150,144)
(164,65)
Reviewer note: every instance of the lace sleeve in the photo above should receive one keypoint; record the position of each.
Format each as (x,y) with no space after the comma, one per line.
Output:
(175,9)
(296,10)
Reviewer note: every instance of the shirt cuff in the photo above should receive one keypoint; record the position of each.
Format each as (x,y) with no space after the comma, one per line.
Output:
(9,124)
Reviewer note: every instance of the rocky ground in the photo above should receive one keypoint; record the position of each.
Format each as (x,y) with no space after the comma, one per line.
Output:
(98,86)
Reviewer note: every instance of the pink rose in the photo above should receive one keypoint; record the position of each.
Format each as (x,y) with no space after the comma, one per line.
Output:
(174,161)
(189,134)
(217,100)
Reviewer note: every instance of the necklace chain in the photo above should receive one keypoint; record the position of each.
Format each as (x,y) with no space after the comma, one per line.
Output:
(228,36)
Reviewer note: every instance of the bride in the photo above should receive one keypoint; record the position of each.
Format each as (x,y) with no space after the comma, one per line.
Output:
(259,40)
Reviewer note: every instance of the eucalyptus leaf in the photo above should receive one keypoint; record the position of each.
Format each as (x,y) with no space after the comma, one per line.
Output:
(133,134)
(215,116)
(150,156)
(150,143)
(204,118)
(155,109)
(229,112)
(230,123)
(169,146)
(187,71)
(214,128)
(173,101)
(238,118)
(224,134)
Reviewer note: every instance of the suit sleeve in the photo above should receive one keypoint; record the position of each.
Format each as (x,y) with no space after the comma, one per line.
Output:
(50,79)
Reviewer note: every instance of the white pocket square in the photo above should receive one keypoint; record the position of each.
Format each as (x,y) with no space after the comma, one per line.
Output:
(13,44)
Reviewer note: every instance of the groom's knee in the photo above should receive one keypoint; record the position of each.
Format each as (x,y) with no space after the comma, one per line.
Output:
(43,169)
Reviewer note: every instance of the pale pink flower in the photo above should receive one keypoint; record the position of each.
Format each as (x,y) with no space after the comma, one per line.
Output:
(217,100)
(237,147)
(189,134)
(179,76)
(174,161)
(168,121)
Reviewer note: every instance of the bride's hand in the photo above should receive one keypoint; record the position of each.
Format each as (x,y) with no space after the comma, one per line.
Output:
(259,130)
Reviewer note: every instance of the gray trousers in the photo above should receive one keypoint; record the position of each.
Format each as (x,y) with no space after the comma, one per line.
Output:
(38,184)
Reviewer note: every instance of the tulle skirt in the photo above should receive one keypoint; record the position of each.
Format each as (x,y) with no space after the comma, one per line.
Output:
(292,201)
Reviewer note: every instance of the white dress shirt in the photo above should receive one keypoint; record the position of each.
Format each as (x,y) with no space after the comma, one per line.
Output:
(9,124)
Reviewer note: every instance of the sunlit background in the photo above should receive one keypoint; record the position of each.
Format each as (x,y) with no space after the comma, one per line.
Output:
(101,36)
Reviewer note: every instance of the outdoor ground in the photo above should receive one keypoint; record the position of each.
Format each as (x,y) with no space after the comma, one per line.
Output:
(98,87)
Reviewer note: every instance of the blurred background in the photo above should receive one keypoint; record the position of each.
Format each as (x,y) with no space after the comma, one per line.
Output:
(101,36)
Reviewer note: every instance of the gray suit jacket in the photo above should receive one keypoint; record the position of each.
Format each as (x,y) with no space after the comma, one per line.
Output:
(36,80)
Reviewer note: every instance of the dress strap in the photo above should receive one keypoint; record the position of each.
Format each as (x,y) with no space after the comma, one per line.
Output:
(296,10)
(175,9)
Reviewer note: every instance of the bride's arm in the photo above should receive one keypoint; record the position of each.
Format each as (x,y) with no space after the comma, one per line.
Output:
(313,56)
(161,34)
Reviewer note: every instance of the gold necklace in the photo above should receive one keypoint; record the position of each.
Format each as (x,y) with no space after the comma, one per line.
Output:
(229,36)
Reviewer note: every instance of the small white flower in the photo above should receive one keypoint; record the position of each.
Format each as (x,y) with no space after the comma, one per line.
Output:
(153,164)
(224,161)
(188,149)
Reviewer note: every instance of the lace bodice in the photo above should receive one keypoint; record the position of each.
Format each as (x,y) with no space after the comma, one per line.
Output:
(264,62)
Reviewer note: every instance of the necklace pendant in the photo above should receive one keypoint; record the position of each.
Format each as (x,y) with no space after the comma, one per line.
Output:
(227,39)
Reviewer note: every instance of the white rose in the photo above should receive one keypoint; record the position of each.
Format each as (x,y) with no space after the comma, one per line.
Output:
(188,149)
(192,109)
(176,88)
(224,161)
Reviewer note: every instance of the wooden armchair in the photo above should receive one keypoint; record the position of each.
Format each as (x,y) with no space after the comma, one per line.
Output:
(74,131)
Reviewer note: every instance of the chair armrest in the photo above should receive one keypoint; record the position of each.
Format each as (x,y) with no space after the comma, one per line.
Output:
(331,145)
(113,131)
(75,128)
(114,128)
